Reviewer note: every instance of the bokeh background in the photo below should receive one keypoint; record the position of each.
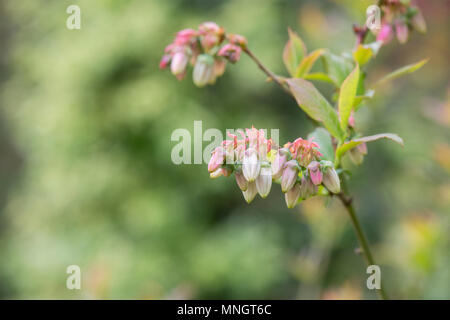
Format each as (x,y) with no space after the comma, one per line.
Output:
(86,176)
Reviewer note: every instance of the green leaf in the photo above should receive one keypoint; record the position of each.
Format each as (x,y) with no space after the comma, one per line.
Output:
(293,53)
(362,54)
(337,67)
(315,105)
(323,139)
(308,62)
(320,76)
(402,71)
(347,97)
(354,143)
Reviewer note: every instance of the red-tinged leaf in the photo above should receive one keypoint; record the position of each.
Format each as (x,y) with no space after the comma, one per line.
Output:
(308,62)
(293,53)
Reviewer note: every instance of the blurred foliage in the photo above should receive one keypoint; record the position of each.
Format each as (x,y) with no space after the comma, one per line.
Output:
(86,121)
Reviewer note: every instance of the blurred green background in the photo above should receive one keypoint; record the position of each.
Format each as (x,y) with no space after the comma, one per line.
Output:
(86,176)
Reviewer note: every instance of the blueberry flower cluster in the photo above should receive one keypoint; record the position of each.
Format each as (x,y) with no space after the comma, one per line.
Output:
(207,49)
(399,18)
(297,166)
(256,162)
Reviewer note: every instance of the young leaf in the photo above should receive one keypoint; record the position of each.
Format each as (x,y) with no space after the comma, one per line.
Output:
(323,139)
(347,97)
(315,105)
(293,53)
(402,71)
(308,62)
(362,54)
(320,76)
(337,67)
(354,143)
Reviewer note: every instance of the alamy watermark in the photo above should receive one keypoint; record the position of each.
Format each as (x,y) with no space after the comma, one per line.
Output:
(190,149)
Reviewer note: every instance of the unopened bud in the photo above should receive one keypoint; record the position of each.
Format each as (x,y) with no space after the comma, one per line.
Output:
(307,188)
(289,176)
(179,62)
(357,154)
(231,52)
(250,193)
(331,180)
(385,34)
(418,22)
(315,173)
(292,196)
(203,70)
(250,165)
(264,182)
(278,164)
(217,159)
(241,181)
(401,30)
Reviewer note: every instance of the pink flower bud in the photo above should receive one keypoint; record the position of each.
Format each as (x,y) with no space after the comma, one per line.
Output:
(237,40)
(185,36)
(203,70)
(250,165)
(241,182)
(289,176)
(164,61)
(231,52)
(315,173)
(250,193)
(331,180)
(385,34)
(351,120)
(278,163)
(179,63)
(264,182)
(401,30)
(217,159)
(292,196)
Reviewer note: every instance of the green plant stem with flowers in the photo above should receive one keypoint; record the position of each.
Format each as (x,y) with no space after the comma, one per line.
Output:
(305,167)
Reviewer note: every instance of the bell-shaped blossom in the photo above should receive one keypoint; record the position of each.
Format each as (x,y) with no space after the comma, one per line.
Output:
(251,192)
(401,30)
(264,182)
(418,22)
(241,181)
(278,163)
(289,177)
(307,188)
(331,180)
(292,196)
(217,159)
(315,173)
(385,34)
(204,70)
(251,165)
(179,63)
(185,36)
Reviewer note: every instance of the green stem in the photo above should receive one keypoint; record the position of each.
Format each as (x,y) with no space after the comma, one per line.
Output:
(269,73)
(347,202)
